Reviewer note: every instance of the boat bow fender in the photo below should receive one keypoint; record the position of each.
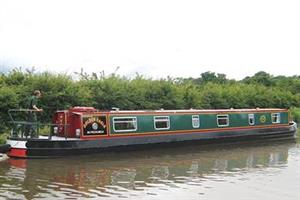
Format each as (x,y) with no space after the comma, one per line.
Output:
(294,128)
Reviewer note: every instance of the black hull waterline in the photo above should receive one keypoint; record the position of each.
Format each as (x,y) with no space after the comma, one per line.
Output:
(39,148)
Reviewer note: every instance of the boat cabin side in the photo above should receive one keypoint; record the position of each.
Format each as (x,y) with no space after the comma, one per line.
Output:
(88,122)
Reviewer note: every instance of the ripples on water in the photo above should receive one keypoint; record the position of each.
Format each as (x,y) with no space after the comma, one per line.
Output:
(240,171)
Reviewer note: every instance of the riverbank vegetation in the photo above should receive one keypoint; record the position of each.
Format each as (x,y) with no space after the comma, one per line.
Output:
(3,137)
(208,91)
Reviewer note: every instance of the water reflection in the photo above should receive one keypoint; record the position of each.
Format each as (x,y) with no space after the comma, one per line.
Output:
(133,174)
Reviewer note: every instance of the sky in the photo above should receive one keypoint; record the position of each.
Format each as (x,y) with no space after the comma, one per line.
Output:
(156,38)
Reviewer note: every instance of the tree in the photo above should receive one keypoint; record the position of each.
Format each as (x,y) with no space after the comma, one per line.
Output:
(261,77)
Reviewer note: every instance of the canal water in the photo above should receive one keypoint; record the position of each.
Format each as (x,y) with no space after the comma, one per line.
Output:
(256,170)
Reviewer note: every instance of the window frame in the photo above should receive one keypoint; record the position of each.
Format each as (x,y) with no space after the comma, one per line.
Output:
(125,130)
(198,118)
(278,118)
(225,115)
(156,120)
(251,116)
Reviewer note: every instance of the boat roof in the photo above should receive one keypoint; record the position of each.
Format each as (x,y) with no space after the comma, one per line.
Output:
(187,111)
(203,110)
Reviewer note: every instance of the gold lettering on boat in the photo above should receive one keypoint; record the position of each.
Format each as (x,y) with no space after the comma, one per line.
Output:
(92,120)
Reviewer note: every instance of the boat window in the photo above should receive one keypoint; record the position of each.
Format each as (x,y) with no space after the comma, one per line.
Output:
(223,120)
(162,122)
(124,124)
(251,119)
(275,118)
(195,121)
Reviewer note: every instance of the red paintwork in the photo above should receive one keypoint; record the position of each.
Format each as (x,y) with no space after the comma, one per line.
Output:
(19,153)
(75,123)
(19,163)
(71,118)
(82,109)
(60,118)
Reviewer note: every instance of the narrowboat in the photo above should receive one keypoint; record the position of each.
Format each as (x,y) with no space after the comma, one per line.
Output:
(83,130)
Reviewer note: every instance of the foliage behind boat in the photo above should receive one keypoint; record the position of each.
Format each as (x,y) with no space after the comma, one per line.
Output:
(210,90)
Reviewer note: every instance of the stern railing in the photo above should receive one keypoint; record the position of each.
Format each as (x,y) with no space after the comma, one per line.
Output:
(26,128)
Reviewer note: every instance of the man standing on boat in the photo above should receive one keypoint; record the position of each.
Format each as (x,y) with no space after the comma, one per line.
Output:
(32,118)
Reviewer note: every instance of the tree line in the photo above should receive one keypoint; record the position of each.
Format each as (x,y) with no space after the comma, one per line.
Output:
(209,91)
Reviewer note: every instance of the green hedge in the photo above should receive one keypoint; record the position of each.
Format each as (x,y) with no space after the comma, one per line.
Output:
(210,90)
(3,138)
(295,112)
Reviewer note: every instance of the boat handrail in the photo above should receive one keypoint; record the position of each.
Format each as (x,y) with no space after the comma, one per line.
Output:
(34,123)
(19,110)
(23,124)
